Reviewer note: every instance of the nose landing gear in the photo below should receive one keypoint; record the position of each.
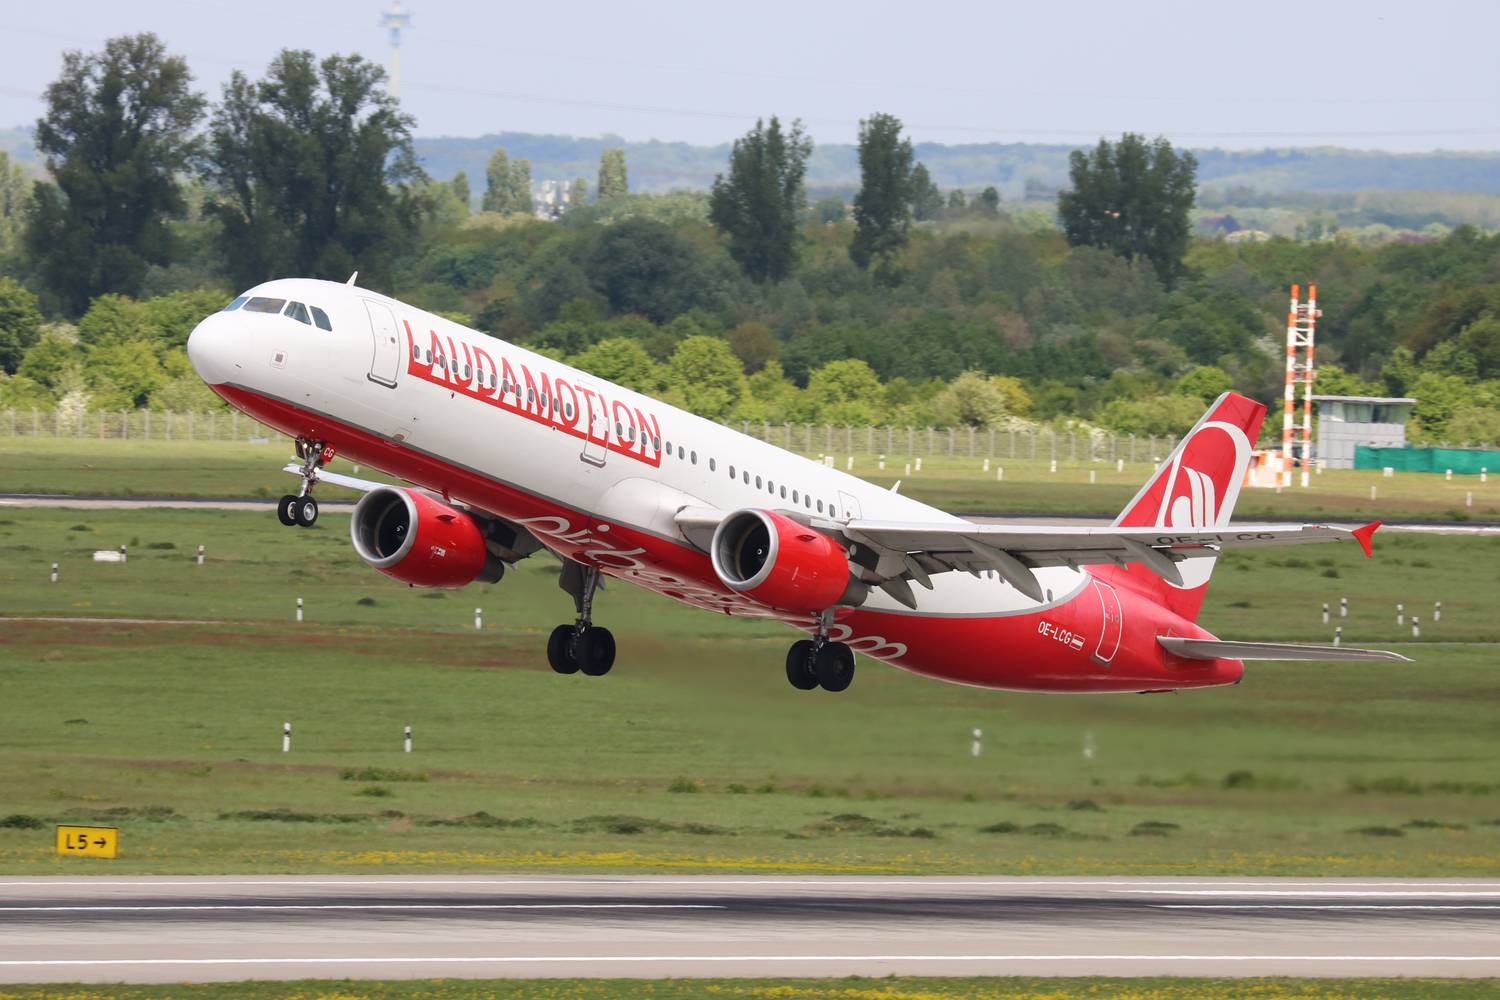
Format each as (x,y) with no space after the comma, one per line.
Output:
(816,662)
(300,508)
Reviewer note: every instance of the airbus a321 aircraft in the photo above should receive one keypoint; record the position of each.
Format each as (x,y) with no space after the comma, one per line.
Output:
(509,453)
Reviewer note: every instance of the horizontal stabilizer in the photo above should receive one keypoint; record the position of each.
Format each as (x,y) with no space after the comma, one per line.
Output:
(1221,649)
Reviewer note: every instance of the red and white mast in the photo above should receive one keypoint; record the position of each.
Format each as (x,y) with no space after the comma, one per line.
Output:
(1301,320)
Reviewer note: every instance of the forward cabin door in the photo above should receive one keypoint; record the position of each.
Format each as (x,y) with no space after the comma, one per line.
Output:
(385,359)
(1111,622)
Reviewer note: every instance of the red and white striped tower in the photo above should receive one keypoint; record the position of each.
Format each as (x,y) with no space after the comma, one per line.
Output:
(1301,321)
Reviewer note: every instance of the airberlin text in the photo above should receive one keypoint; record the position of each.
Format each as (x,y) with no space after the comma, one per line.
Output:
(576,410)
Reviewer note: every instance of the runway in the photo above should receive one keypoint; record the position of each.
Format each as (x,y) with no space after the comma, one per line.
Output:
(168,929)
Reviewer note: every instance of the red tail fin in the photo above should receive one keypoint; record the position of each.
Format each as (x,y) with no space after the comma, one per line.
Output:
(1196,487)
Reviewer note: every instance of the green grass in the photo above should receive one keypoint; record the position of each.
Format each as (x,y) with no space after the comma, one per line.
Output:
(695,754)
(237,469)
(845,988)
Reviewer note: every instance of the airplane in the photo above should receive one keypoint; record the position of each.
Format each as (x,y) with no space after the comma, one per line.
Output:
(510,453)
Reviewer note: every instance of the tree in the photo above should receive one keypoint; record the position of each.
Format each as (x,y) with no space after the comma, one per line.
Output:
(1207,383)
(313,170)
(753,343)
(578,194)
(958,202)
(973,399)
(460,186)
(643,267)
(757,206)
(621,360)
(20,323)
(15,191)
(842,392)
(117,134)
(704,376)
(497,184)
(987,205)
(1132,198)
(926,199)
(612,179)
(882,208)
(520,187)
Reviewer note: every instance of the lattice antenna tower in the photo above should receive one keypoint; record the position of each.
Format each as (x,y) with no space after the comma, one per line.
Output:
(1301,323)
(395,20)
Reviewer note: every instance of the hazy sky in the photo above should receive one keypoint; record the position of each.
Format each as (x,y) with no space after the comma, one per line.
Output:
(1364,73)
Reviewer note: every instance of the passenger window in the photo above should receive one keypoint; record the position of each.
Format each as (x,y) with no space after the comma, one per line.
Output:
(681,452)
(656,443)
(320,319)
(693,458)
(619,429)
(747,477)
(820,506)
(783,493)
(468,373)
(757,482)
(795,498)
(416,353)
(669,449)
(770,487)
(568,410)
(261,304)
(731,472)
(712,466)
(235,304)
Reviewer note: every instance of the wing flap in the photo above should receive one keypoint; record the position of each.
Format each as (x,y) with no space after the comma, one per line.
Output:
(1224,649)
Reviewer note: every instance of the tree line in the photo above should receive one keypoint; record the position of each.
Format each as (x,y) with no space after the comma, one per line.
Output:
(906,304)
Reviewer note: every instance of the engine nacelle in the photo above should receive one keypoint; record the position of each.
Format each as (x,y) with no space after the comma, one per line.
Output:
(421,541)
(783,564)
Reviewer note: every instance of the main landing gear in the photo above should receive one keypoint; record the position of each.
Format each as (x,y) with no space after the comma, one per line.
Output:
(300,508)
(582,646)
(816,662)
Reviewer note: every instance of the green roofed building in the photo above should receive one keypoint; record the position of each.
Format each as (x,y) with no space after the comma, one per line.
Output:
(1348,422)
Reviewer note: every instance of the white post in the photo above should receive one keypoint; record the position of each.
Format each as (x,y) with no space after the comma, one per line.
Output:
(1416,627)
(908,470)
(54,572)
(408,739)
(1338,635)
(999,473)
(122,553)
(1343,607)
(919,463)
(1054,466)
(986,465)
(1484,475)
(478,621)
(1468,498)
(1400,614)
(1089,746)
(200,555)
(1091,477)
(1437,611)
(299,609)
(882,463)
(1119,465)
(1372,493)
(976,747)
(1325,612)
(1448,476)
(286,737)
(1388,472)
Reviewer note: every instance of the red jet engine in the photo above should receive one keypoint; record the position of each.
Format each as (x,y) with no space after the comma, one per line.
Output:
(783,564)
(421,541)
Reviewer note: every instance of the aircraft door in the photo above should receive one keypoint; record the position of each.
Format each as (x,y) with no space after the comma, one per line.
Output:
(385,360)
(849,505)
(595,428)
(1111,622)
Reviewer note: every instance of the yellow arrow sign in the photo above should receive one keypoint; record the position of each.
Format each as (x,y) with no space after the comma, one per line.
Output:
(88,841)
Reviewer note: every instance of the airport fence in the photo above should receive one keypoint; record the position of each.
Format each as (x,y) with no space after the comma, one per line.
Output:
(1042,444)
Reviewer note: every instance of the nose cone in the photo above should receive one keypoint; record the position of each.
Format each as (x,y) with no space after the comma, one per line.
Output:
(210,349)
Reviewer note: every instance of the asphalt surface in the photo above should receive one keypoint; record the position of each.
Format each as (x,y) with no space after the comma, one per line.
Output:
(169,929)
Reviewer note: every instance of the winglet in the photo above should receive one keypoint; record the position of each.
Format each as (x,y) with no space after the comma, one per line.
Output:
(1364,534)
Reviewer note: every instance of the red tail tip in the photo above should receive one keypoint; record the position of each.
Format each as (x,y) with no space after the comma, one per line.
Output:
(1364,534)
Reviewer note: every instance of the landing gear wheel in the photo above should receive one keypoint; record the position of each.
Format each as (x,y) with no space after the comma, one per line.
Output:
(835,666)
(286,510)
(799,665)
(560,650)
(594,650)
(306,511)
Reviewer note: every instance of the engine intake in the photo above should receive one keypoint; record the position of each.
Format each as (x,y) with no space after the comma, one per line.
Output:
(783,564)
(421,541)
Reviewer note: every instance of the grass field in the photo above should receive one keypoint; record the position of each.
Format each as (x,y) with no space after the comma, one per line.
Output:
(695,754)
(850,988)
(223,469)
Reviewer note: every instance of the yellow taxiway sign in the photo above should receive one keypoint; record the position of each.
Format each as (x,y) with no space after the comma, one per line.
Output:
(88,841)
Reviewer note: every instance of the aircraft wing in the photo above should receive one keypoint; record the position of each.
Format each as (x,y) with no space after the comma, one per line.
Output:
(336,478)
(1215,649)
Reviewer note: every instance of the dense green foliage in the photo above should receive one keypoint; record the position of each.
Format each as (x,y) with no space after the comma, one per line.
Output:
(116,133)
(758,205)
(748,305)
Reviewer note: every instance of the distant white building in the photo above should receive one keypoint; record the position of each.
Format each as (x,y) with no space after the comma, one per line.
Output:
(552,199)
(1347,421)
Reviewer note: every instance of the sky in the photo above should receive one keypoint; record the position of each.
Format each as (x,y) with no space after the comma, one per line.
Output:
(1370,74)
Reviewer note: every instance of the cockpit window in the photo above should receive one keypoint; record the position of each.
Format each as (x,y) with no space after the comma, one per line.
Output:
(236,303)
(261,304)
(298,312)
(320,318)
